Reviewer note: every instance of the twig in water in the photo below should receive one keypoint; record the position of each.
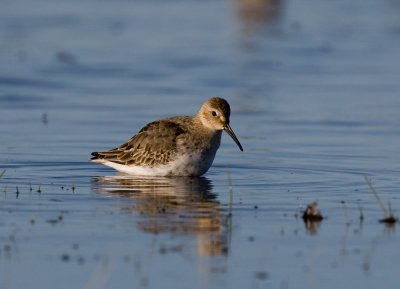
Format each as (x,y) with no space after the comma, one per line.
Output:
(361,217)
(375,193)
(389,217)
(230,208)
(230,191)
(229,181)
(346,215)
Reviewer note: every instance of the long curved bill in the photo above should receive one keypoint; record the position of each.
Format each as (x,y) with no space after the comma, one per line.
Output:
(229,131)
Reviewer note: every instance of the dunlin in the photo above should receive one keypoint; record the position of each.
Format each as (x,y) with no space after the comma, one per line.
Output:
(176,146)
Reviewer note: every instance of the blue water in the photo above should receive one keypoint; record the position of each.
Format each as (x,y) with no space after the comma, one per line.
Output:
(313,87)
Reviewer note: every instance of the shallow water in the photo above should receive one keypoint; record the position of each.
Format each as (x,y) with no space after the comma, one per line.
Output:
(313,87)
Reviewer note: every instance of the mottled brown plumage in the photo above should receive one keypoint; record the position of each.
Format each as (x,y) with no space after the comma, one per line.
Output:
(181,145)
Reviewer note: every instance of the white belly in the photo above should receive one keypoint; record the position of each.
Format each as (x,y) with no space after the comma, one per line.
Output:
(194,164)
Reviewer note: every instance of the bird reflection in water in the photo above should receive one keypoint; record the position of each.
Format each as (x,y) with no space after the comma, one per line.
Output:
(180,205)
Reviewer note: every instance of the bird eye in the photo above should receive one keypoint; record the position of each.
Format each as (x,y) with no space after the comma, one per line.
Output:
(214,113)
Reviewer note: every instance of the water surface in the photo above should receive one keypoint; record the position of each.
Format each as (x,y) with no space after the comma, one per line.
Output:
(313,87)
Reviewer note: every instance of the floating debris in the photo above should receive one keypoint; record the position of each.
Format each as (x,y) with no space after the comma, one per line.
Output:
(312,217)
(311,213)
(389,218)
(2,173)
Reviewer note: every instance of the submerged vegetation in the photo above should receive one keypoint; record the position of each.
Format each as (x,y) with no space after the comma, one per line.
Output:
(20,188)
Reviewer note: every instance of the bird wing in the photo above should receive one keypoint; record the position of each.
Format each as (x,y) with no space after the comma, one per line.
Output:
(155,144)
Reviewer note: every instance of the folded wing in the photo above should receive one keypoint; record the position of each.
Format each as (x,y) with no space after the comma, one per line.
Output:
(155,144)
